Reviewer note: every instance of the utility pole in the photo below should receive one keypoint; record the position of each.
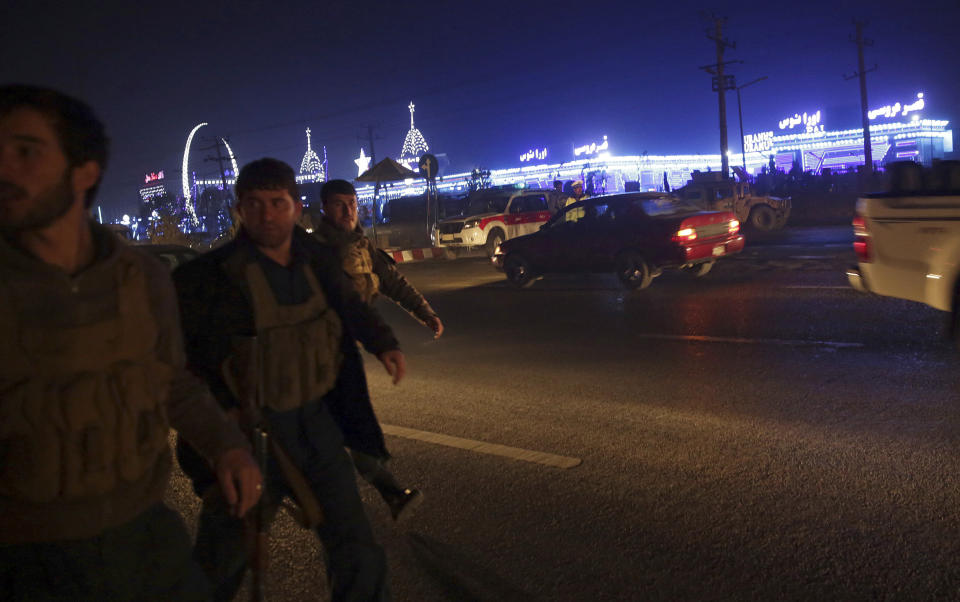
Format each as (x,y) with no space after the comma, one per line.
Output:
(223,174)
(860,41)
(743,147)
(721,83)
(373,156)
(376,185)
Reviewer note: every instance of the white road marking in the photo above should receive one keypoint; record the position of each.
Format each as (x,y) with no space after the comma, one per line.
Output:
(743,341)
(516,453)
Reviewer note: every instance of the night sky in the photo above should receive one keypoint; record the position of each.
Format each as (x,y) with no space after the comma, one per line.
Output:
(489,80)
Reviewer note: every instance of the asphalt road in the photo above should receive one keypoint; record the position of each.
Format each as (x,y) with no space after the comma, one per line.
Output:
(764,432)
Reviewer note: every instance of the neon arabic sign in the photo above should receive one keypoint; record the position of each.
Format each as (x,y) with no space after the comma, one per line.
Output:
(533,153)
(591,149)
(153,177)
(811,121)
(897,110)
(758,143)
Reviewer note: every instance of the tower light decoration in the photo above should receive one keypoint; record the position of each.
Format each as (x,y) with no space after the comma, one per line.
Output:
(414,145)
(311,163)
(187,203)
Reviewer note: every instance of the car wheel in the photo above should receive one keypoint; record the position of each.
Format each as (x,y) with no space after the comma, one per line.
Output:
(518,270)
(703,269)
(763,218)
(633,271)
(494,240)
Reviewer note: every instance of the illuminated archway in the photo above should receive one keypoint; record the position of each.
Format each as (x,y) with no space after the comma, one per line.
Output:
(187,201)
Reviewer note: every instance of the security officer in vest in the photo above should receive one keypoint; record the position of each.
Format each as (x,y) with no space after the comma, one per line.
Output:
(372,273)
(91,379)
(306,317)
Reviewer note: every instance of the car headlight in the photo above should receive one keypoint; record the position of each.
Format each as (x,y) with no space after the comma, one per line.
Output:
(473,223)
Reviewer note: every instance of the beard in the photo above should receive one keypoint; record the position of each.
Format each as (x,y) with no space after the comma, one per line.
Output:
(270,237)
(46,208)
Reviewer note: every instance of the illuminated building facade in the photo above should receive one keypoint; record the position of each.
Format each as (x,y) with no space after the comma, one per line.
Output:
(898,132)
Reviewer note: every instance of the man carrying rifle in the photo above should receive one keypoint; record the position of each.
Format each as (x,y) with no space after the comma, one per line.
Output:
(270,325)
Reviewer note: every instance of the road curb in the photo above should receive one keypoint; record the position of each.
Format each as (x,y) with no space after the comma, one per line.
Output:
(421,254)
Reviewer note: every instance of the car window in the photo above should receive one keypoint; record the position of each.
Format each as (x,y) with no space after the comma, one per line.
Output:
(564,217)
(693,195)
(664,206)
(487,204)
(171,257)
(535,202)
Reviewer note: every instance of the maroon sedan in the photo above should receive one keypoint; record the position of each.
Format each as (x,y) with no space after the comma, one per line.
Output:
(637,235)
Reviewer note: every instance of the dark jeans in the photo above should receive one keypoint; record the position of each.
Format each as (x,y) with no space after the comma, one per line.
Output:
(147,558)
(374,471)
(356,564)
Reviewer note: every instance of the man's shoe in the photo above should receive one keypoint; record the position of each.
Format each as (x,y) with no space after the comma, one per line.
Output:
(404,503)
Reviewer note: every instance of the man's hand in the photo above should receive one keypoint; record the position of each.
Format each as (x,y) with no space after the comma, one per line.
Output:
(236,467)
(435,325)
(395,364)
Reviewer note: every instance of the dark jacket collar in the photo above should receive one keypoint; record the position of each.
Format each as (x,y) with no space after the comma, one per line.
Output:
(106,249)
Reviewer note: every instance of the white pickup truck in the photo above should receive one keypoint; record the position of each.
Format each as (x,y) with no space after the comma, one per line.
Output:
(907,241)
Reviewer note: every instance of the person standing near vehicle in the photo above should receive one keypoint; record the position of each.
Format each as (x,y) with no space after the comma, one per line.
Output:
(91,379)
(301,313)
(372,274)
(577,194)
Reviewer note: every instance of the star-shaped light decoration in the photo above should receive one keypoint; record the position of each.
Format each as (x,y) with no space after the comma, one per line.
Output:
(363,162)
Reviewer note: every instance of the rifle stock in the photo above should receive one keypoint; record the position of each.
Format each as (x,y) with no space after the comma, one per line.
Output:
(259,554)
(247,386)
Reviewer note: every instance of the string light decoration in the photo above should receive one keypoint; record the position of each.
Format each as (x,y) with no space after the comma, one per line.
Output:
(311,163)
(233,159)
(187,203)
(414,145)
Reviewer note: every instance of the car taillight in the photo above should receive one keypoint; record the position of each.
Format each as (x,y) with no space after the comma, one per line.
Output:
(861,240)
(685,235)
(734,226)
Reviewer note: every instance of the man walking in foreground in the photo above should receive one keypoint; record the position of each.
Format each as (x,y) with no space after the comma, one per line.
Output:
(91,379)
(296,308)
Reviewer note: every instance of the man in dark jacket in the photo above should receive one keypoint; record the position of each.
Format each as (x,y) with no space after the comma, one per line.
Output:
(372,274)
(295,306)
(92,378)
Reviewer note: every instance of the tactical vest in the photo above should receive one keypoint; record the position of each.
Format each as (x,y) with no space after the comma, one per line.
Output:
(82,408)
(298,345)
(359,265)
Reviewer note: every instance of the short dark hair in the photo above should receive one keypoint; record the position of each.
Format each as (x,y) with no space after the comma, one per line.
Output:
(336,187)
(267,174)
(81,134)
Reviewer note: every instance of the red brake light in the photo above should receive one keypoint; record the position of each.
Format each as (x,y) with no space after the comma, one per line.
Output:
(861,240)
